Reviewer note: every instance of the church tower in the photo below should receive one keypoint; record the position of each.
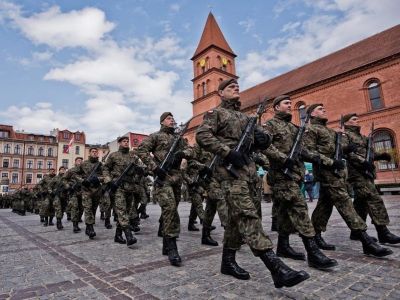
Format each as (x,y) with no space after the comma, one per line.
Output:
(213,62)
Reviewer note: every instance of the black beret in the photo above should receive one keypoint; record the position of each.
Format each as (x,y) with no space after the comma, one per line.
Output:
(279,99)
(225,83)
(311,108)
(121,138)
(164,115)
(348,117)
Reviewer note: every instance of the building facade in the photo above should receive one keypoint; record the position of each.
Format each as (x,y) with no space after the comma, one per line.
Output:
(134,141)
(70,146)
(363,78)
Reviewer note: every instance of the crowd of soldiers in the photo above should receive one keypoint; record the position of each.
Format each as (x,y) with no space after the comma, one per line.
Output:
(221,169)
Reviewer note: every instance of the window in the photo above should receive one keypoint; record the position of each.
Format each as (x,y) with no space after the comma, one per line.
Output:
(374,94)
(7,148)
(14,178)
(50,152)
(31,137)
(30,150)
(16,163)
(39,177)
(77,136)
(135,142)
(28,178)
(4,134)
(65,149)
(6,162)
(40,164)
(66,135)
(41,151)
(203,89)
(49,164)
(4,175)
(51,140)
(77,149)
(65,163)
(17,149)
(383,142)
(41,139)
(29,164)
(301,112)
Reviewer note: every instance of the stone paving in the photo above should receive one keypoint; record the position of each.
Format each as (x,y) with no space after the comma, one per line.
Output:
(42,263)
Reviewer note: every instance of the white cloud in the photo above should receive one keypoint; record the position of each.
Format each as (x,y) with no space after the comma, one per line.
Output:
(331,26)
(247,24)
(175,7)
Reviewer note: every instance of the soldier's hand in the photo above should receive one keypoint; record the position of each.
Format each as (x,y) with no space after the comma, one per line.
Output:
(370,167)
(113,186)
(338,165)
(261,139)
(86,183)
(351,148)
(289,163)
(316,160)
(160,173)
(205,172)
(236,159)
(383,156)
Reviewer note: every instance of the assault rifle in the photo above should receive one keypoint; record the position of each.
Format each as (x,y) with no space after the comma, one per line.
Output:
(338,146)
(370,153)
(296,147)
(168,162)
(207,175)
(92,179)
(246,140)
(117,182)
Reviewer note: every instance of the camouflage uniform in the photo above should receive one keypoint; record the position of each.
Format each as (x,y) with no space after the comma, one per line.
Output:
(60,195)
(47,208)
(320,140)
(74,181)
(286,194)
(218,134)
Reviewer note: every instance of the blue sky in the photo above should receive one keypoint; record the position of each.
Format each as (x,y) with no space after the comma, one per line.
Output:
(108,67)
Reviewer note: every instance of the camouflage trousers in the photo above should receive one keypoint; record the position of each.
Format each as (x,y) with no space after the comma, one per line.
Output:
(75,201)
(47,207)
(292,209)
(367,201)
(106,204)
(137,200)
(196,209)
(256,191)
(168,196)
(244,222)
(124,200)
(90,200)
(60,205)
(335,194)
(215,202)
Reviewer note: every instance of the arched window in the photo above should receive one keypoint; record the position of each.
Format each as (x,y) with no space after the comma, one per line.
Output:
(198,94)
(383,142)
(7,148)
(41,151)
(375,94)
(30,150)
(50,152)
(300,112)
(203,89)
(17,149)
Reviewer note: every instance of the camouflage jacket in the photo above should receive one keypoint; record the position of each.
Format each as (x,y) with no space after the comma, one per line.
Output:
(195,164)
(86,168)
(220,132)
(72,179)
(45,186)
(57,185)
(117,162)
(320,140)
(283,133)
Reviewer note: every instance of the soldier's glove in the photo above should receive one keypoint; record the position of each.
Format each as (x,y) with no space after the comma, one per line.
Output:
(370,167)
(351,148)
(95,181)
(383,156)
(261,139)
(289,163)
(205,172)
(258,160)
(160,173)
(236,159)
(178,156)
(140,171)
(112,186)
(338,165)
(86,183)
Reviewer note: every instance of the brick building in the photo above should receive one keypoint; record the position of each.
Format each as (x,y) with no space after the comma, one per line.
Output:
(134,141)
(25,157)
(362,78)
(70,145)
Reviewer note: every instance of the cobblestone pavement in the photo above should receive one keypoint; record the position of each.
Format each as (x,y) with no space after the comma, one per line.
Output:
(41,262)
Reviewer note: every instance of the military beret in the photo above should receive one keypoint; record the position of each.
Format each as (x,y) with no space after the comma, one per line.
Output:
(311,107)
(164,115)
(121,138)
(62,167)
(79,157)
(279,99)
(348,117)
(225,83)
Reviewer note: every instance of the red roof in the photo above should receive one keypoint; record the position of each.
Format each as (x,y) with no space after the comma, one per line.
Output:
(377,47)
(212,36)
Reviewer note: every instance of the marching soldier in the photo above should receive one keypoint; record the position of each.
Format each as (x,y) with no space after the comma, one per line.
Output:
(60,196)
(47,207)
(286,190)
(320,140)
(366,198)
(219,134)
(169,192)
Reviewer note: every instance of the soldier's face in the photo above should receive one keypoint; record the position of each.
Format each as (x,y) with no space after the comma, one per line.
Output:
(169,121)
(230,92)
(124,143)
(284,106)
(61,171)
(353,121)
(52,172)
(78,162)
(319,112)
(94,153)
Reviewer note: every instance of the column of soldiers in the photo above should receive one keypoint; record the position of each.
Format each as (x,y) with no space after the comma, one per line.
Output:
(225,177)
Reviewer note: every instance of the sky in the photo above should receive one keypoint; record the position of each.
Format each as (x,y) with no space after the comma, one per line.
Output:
(109,67)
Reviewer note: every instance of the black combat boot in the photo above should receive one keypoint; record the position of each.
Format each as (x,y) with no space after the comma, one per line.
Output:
(192,227)
(90,231)
(59,224)
(322,244)
(160,233)
(355,236)
(118,238)
(41,219)
(144,215)
(282,275)
(274,224)
(173,254)
(164,247)
(372,248)
(206,238)
(385,236)
(229,265)
(134,224)
(36,211)
(107,223)
(68,217)
(284,250)
(46,221)
(51,221)
(316,258)
(101,215)
(130,239)
(76,228)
